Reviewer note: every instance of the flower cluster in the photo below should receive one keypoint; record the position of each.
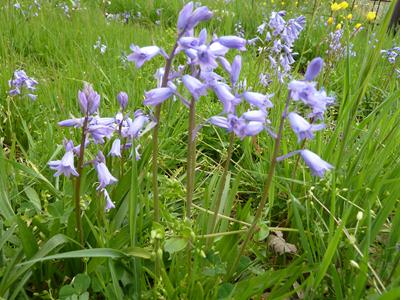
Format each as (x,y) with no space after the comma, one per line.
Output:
(305,92)
(20,82)
(95,130)
(279,37)
(100,46)
(391,54)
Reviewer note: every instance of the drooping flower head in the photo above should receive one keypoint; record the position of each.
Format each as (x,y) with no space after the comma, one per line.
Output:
(65,166)
(141,55)
(317,165)
(104,175)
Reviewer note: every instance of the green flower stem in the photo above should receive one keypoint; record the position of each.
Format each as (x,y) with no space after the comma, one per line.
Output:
(265,194)
(77,196)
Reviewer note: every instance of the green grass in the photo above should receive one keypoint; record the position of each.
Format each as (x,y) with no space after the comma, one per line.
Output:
(339,256)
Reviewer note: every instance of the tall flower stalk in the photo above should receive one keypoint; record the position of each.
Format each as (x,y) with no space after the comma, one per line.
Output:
(77,193)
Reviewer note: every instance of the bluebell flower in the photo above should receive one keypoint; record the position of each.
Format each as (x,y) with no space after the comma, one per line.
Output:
(228,100)
(205,57)
(314,68)
(89,100)
(99,132)
(233,42)
(235,69)
(157,96)
(255,115)
(195,86)
(141,55)
(315,163)
(109,203)
(115,148)
(75,122)
(65,166)
(103,174)
(259,100)
(225,64)
(184,16)
(122,100)
(135,127)
(302,128)
(188,19)
(21,81)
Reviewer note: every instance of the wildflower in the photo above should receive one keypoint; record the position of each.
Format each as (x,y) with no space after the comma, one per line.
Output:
(314,68)
(157,96)
(109,203)
(228,100)
(259,100)
(233,42)
(122,100)
(89,100)
(315,163)
(20,81)
(338,26)
(349,17)
(135,127)
(100,46)
(302,128)
(65,166)
(358,26)
(115,148)
(371,16)
(343,5)
(235,70)
(104,175)
(188,19)
(141,55)
(195,86)
(99,132)
(330,21)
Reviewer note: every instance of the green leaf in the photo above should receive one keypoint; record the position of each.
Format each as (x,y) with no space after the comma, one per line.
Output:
(95,252)
(66,291)
(27,238)
(81,283)
(34,198)
(175,245)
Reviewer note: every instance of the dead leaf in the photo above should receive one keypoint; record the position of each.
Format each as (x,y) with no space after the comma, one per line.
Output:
(277,243)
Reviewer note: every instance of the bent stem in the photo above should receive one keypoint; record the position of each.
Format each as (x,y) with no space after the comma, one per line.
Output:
(221,187)
(265,194)
(79,169)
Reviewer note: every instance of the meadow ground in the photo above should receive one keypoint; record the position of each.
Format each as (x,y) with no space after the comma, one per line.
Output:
(233,218)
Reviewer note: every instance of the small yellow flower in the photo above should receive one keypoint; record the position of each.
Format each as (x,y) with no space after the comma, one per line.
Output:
(335,7)
(371,16)
(358,26)
(349,17)
(338,26)
(330,21)
(344,5)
